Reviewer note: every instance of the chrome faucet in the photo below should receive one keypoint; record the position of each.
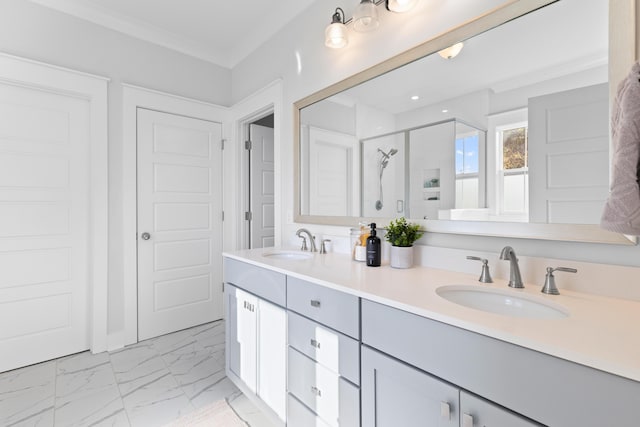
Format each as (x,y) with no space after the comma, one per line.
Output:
(312,241)
(508,254)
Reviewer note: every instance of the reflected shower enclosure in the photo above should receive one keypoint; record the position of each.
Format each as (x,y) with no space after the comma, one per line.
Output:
(438,172)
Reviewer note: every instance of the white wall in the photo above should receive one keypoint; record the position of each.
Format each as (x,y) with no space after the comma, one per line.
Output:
(298,56)
(35,32)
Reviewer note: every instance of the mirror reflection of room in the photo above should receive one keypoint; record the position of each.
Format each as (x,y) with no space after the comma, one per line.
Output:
(513,128)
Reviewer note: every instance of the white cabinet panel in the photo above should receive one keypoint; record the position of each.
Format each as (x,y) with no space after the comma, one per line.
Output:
(242,336)
(272,356)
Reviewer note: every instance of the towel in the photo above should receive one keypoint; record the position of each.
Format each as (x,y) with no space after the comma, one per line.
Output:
(622,208)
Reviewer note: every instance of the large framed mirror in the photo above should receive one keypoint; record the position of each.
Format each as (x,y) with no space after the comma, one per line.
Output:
(508,138)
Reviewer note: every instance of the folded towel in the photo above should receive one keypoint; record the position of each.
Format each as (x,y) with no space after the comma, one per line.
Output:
(622,209)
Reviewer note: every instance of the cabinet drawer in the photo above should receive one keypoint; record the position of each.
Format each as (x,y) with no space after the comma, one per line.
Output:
(331,397)
(264,283)
(335,309)
(332,349)
(299,415)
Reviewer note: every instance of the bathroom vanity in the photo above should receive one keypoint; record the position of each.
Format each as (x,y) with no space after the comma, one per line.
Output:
(348,345)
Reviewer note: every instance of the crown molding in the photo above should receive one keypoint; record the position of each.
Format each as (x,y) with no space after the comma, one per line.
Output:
(137,29)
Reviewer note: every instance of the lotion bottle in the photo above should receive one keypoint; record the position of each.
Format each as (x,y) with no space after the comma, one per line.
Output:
(374,251)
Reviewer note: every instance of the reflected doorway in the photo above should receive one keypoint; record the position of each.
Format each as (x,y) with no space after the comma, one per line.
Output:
(260,217)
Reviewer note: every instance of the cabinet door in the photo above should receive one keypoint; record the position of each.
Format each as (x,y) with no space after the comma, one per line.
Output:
(476,412)
(395,394)
(242,339)
(272,356)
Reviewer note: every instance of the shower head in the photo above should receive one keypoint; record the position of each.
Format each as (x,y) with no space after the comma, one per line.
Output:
(385,156)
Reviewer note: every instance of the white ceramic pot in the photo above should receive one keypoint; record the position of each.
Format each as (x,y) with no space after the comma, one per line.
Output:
(401,257)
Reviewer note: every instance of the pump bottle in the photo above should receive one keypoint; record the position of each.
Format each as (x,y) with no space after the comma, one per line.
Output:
(373,248)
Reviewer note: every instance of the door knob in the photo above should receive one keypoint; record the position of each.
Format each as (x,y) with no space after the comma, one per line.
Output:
(145,236)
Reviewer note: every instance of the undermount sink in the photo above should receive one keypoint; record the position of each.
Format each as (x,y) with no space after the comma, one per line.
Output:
(290,255)
(504,302)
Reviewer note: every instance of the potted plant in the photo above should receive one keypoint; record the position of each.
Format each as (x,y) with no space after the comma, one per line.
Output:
(402,234)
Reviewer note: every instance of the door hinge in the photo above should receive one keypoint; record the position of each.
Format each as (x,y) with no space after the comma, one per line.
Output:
(222,141)
(223,215)
(222,287)
(248,216)
(247,145)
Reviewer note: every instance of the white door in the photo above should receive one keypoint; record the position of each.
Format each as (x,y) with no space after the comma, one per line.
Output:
(179,222)
(261,155)
(44,189)
(569,155)
(333,173)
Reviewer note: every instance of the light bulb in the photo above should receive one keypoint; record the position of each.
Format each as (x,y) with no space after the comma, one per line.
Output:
(401,5)
(335,36)
(365,17)
(451,51)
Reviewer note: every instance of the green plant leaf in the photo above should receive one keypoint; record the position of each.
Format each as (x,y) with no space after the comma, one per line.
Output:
(402,233)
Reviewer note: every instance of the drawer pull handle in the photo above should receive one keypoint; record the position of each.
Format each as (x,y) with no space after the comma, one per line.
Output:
(467,420)
(316,391)
(445,411)
(315,343)
(249,306)
(315,303)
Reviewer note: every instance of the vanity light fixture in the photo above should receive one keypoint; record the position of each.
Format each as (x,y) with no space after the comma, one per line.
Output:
(335,35)
(365,17)
(400,6)
(451,51)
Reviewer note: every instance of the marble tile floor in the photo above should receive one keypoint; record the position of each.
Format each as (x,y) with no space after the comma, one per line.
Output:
(148,384)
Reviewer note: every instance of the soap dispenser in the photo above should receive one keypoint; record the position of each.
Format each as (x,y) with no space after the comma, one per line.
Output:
(373,248)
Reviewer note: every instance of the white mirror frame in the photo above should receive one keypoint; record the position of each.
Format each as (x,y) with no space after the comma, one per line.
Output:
(622,54)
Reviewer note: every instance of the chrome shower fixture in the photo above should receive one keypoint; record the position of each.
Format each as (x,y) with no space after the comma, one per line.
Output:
(384,161)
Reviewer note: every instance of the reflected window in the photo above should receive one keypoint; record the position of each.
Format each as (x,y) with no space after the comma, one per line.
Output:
(513,172)
(467,171)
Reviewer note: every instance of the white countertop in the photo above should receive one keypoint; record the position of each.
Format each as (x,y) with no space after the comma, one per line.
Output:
(600,332)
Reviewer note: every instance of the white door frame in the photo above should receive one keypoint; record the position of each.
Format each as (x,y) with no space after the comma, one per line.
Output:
(92,88)
(134,97)
(260,104)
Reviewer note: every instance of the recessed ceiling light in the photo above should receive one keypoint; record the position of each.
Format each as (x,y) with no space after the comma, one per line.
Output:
(445,111)
(415,97)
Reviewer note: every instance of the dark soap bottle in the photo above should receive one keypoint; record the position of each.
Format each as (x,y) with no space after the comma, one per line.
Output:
(373,248)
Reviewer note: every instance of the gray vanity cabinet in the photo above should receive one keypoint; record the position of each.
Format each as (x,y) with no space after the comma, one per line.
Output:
(540,387)
(396,394)
(323,358)
(256,335)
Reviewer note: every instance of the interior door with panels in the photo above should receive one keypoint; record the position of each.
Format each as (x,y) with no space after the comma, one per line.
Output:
(179,222)
(262,188)
(44,225)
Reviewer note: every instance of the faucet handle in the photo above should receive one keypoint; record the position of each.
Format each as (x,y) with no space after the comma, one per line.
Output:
(304,243)
(550,280)
(323,248)
(485,276)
